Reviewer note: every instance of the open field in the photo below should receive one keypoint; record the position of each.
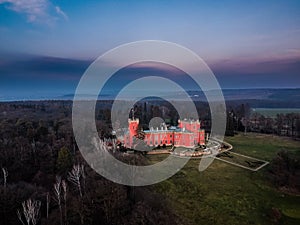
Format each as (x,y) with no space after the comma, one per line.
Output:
(226,194)
(242,161)
(272,112)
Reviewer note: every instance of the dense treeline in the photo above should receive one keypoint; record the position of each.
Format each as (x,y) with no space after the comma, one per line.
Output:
(44,179)
(283,124)
(242,118)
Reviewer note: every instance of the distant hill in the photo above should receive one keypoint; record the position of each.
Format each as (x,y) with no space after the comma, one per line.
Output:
(257,98)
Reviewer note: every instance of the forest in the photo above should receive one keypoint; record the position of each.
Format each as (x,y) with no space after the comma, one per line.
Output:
(44,179)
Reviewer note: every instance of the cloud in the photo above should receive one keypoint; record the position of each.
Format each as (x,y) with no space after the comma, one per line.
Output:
(62,13)
(36,11)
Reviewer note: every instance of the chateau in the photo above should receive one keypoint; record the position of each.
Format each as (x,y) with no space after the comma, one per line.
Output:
(187,134)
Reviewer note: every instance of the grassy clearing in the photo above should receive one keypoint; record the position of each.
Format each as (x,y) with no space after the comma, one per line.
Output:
(263,146)
(272,112)
(226,194)
(242,160)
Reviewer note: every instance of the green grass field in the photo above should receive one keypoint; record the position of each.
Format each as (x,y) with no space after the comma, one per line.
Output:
(272,112)
(226,194)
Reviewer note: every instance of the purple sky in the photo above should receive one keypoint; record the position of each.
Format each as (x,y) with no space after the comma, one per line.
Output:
(45,46)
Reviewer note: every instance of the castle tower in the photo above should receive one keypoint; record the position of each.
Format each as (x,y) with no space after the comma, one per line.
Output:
(193,126)
(133,131)
(133,126)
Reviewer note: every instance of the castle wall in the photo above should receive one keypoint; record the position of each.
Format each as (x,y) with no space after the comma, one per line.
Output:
(188,135)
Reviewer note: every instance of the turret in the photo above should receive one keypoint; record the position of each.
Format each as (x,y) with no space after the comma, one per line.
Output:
(133,126)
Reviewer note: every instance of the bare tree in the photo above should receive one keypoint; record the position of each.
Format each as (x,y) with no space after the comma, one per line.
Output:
(5,175)
(47,204)
(64,186)
(57,197)
(83,175)
(31,211)
(20,217)
(75,177)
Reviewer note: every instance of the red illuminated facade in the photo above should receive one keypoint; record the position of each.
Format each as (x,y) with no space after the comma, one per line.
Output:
(188,134)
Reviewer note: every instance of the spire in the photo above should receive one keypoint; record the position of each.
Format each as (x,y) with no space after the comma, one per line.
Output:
(132,110)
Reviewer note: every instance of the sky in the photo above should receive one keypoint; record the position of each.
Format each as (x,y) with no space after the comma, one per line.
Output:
(45,45)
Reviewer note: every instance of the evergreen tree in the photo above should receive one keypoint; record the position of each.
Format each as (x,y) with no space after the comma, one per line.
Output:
(64,160)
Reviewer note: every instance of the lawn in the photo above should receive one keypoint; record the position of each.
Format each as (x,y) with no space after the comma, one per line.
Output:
(226,194)
(272,112)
